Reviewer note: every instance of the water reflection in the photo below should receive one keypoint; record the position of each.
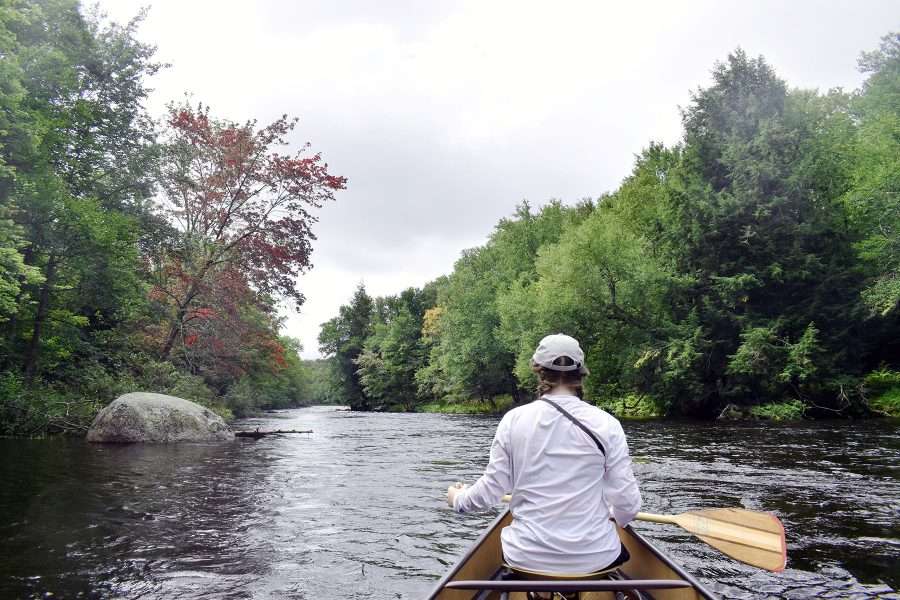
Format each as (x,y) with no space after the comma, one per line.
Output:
(355,509)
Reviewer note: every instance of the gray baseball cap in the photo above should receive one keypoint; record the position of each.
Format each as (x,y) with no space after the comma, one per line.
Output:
(556,346)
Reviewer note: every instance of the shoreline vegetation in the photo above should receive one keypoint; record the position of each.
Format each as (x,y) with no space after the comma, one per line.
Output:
(623,408)
(755,264)
(749,271)
(139,253)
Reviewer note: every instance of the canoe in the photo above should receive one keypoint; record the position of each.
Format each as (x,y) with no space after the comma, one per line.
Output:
(652,573)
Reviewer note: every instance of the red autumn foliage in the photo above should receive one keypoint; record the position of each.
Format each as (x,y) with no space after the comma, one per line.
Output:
(204,312)
(237,205)
(233,333)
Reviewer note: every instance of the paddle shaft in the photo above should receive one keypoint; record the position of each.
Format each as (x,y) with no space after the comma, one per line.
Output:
(654,518)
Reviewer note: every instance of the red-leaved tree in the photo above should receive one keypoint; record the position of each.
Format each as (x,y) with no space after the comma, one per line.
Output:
(230,331)
(236,205)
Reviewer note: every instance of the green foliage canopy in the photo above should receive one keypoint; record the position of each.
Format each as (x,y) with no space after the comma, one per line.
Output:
(755,263)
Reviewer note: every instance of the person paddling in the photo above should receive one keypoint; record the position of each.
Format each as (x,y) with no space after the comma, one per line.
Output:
(567,466)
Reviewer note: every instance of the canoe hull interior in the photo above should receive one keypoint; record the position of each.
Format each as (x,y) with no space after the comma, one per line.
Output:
(484,559)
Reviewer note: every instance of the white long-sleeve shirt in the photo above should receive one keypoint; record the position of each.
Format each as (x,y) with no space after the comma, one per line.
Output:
(563,488)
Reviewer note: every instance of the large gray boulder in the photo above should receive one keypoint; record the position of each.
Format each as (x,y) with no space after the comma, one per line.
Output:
(145,417)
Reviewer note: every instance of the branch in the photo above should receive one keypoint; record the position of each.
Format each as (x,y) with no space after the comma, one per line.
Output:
(258,434)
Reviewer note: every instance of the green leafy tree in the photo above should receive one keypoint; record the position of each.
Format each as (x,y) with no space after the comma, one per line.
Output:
(79,152)
(14,273)
(599,284)
(765,236)
(874,198)
(343,339)
(475,353)
(321,388)
(396,349)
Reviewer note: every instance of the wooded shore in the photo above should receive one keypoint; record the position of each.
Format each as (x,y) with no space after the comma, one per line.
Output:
(751,268)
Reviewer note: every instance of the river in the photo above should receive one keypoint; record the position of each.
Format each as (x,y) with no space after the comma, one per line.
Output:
(356,509)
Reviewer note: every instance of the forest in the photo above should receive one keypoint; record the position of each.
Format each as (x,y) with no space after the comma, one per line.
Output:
(752,267)
(135,253)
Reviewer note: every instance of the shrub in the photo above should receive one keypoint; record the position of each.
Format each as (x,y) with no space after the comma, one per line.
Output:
(882,380)
(883,386)
(887,403)
(790,410)
(70,404)
(41,408)
(633,406)
(500,405)
(166,378)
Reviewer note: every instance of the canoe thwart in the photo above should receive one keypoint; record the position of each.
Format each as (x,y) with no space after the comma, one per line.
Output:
(585,585)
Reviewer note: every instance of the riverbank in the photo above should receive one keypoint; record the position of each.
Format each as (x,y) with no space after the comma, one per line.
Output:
(40,409)
(498,406)
(626,408)
(27,414)
(638,408)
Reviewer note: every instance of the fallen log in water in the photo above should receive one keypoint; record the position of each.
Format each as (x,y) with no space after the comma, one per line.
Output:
(258,434)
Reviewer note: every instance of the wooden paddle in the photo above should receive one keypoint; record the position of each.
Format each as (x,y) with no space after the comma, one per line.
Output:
(754,538)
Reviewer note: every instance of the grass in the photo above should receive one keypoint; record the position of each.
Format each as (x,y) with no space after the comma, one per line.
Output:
(884,386)
(887,403)
(790,410)
(633,407)
(469,407)
(629,407)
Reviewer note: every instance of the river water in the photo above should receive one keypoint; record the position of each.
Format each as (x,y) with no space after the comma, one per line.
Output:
(356,509)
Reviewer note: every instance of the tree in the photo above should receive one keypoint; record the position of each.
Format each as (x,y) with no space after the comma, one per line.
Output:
(874,198)
(238,205)
(94,275)
(321,387)
(75,154)
(228,334)
(765,240)
(396,350)
(14,273)
(600,284)
(343,339)
(475,353)
(283,382)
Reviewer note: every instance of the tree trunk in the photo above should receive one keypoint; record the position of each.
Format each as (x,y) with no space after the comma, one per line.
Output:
(43,308)
(517,398)
(173,333)
(179,322)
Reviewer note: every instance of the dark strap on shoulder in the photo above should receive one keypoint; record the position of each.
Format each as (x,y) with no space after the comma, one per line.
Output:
(581,425)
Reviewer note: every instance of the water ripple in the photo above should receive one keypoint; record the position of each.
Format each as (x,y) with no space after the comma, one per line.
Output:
(355,510)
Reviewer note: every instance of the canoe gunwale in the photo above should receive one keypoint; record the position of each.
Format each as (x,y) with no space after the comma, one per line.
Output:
(488,531)
(679,570)
(485,534)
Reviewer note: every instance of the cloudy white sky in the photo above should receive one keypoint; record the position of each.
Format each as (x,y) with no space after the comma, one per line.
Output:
(445,115)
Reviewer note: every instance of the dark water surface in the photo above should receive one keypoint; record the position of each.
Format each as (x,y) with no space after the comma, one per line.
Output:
(356,509)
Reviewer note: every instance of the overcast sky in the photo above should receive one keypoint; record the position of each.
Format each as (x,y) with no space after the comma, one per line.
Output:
(445,115)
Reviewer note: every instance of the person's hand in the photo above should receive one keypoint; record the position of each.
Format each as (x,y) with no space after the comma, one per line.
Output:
(453,490)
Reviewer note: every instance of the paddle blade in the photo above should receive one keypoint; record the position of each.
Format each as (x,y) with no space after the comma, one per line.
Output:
(751,537)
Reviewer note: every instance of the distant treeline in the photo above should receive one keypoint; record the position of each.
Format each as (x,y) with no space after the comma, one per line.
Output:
(135,254)
(756,264)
